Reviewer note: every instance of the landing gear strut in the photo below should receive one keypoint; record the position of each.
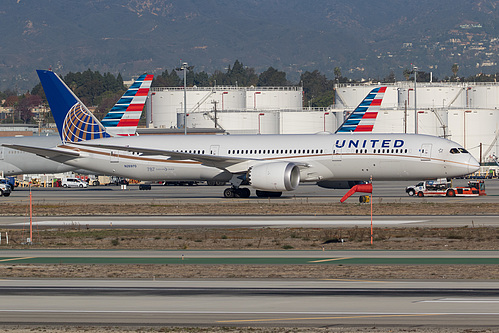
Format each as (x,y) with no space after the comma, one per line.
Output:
(233,192)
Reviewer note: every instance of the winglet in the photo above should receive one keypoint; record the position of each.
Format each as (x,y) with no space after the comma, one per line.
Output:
(74,122)
(124,117)
(363,117)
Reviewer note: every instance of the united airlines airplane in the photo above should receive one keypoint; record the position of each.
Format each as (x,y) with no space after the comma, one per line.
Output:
(271,164)
(121,120)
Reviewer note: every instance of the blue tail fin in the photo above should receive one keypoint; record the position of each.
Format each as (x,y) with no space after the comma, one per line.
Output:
(363,117)
(74,122)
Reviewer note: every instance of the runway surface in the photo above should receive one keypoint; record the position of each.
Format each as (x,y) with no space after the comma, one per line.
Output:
(382,192)
(251,303)
(142,221)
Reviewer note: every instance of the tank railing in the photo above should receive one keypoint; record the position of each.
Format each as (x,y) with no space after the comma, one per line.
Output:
(251,110)
(225,88)
(410,84)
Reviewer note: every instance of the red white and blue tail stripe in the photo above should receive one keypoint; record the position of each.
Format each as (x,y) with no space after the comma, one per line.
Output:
(124,117)
(363,117)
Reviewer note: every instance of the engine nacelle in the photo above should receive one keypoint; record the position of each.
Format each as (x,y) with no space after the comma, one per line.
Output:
(339,184)
(274,176)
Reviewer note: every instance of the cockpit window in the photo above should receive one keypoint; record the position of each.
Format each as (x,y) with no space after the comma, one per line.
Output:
(454,151)
(464,151)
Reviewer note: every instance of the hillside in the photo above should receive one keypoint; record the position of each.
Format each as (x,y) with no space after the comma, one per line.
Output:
(364,38)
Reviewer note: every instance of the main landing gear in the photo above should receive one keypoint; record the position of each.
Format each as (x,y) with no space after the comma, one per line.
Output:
(233,192)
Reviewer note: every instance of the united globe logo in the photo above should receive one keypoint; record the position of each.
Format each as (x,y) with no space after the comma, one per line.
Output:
(80,125)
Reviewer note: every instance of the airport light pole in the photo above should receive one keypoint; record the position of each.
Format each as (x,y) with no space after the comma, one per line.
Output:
(185,67)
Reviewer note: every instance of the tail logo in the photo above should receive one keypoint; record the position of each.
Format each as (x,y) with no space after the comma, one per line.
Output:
(80,125)
(363,117)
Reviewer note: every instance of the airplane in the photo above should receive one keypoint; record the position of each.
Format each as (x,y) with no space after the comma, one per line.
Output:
(121,120)
(271,164)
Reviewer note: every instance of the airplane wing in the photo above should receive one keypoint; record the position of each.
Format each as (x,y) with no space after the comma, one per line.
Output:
(231,164)
(221,162)
(49,153)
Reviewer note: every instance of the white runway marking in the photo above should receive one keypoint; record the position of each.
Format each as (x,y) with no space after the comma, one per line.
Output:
(254,312)
(231,222)
(463,300)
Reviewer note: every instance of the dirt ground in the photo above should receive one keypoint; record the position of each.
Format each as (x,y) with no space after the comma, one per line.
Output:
(318,239)
(371,329)
(327,239)
(242,207)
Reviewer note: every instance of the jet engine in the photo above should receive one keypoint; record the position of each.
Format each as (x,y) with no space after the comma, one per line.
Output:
(274,176)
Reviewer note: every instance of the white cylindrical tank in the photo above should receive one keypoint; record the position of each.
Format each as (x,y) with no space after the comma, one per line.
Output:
(307,122)
(432,96)
(231,99)
(484,97)
(349,97)
(155,106)
(262,98)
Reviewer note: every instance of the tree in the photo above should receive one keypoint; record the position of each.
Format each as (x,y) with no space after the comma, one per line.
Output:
(315,87)
(241,75)
(272,77)
(24,106)
(337,73)
(390,78)
(455,69)
(407,74)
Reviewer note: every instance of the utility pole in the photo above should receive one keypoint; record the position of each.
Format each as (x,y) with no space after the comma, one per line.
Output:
(415,71)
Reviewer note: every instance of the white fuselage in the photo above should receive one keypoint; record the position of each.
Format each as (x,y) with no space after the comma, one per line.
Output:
(320,156)
(16,162)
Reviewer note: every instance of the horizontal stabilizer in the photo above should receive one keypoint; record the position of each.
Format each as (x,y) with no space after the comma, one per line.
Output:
(49,153)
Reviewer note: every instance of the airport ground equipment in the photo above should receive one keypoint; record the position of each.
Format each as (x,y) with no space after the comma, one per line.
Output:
(443,187)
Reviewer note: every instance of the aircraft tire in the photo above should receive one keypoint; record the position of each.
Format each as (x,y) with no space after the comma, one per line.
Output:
(229,193)
(244,192)
(268,194)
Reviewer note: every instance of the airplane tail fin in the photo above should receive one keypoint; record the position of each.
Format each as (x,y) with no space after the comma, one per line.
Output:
(363,117)
(124,117)
(74,121)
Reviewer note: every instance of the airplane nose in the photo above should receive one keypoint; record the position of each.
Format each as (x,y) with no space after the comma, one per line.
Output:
(473,165)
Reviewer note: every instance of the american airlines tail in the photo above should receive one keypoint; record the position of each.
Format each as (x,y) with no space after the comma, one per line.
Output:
(124,117)
(363,117)
(76,123)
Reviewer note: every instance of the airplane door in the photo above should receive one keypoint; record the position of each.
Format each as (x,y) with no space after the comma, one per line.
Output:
(425,152)
(214,150)
(114,156)
(337,154)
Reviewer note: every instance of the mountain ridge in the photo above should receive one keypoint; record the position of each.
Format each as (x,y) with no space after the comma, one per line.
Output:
(365,39)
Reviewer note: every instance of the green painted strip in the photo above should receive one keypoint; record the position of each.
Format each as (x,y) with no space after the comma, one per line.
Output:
(253,261)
